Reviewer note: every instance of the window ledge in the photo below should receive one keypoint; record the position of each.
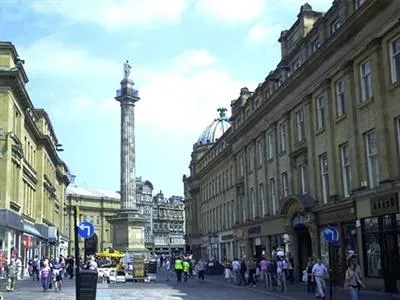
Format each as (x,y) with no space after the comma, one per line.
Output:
(341,118)
(394,86)
(320,131)
(282,153)
(366,103)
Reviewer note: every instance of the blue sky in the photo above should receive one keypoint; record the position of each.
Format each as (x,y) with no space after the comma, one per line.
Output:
(188,58)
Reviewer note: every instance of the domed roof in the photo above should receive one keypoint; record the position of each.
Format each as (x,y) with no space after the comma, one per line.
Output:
(216,129)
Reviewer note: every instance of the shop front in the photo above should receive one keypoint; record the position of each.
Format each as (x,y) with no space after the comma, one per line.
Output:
(300,226)
(263,239)
(341,216)
(226,242)
(379,229)
(210,246)
(63,242)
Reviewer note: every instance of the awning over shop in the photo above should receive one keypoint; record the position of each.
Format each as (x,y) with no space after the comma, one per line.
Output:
(31,229)
(10,219)
(48,232)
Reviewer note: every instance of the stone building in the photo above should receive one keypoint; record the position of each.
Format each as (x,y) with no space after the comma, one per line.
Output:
(144,204)
(169,224)
(316,144)
(33,178)
(96,205)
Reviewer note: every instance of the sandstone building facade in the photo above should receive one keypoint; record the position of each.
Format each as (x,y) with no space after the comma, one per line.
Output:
(33,178)
(316,144)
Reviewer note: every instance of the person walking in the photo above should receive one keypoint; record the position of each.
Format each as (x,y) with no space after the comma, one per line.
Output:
(353,281)
(186,267)
(11,273)
(178,266)
(263,271)
(167,267)
(201,269)
(236,271)
(45,276)
(320,273)
(58,270)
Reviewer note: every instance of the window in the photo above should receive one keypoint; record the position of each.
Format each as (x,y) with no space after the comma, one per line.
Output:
(262,200)
(300,125)
(366,81)
(270,146)
(273,195)
(372,248)
(303,179)
(346,171)
(260,152)
(315,45)
(340,98)
(359,3)
(241,165)
(251,158)
(372,159)
(397,124)
(282,137)
(320,112)
(323,161)
(395,60)
(335,25)
(285,184)
(254,207)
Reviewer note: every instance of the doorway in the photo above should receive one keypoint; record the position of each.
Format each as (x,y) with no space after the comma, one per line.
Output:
(304,248)
(391,262)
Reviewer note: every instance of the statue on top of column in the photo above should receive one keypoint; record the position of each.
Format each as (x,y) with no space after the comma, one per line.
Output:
(127,70)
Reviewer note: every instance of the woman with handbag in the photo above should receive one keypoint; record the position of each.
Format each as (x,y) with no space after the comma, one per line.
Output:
(352,281)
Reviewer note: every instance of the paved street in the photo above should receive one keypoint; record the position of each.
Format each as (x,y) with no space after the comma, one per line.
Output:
(214,287)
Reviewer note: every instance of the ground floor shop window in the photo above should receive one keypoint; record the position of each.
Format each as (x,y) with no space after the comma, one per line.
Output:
(350,239)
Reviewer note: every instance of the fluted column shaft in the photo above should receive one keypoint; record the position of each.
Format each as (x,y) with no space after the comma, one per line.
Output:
(128,166)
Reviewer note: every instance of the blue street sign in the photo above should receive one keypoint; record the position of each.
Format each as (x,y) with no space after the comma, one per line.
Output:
(331,234)
(86,229)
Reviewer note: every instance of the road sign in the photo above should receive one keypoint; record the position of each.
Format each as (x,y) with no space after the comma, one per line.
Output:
(86,229)
(331,234)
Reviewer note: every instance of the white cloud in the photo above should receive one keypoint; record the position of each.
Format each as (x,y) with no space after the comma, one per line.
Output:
(49,56)
(193,59)
(294,5)
(114,14)
(264,31)
(232,10)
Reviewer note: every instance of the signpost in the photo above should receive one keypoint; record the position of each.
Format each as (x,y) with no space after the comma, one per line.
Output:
(84,230)
(331,235)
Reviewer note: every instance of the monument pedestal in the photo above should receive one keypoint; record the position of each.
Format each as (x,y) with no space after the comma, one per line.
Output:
(128,234)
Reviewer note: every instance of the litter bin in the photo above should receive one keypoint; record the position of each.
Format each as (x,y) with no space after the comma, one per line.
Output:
(87,285)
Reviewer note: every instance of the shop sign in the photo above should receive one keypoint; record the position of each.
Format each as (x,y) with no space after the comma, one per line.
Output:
(28,243)
(213,240)
(385,204)
(298,221)
(254,230)
(239,233)
(2,259)
(227,237)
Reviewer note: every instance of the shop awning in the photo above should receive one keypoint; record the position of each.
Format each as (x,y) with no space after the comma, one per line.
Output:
(31,229)
(10,219)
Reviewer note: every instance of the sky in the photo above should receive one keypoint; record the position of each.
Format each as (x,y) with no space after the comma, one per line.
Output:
(188,59)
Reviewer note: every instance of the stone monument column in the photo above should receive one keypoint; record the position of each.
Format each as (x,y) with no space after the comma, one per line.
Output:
(128,223)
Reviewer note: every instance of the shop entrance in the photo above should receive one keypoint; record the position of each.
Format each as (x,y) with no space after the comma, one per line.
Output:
(304,248)
(390,256)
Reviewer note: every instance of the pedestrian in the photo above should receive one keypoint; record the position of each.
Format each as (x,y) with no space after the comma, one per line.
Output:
(167,267)
(45,276)
(201,269)
(58,271)
(178,269)
(352,281)
(263,271)
(35,268)
(236,271)
(186,268)
(11,273)
(320,273)
(18,263)
(243,269)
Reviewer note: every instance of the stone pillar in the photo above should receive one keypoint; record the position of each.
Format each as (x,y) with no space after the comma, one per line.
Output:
(128,172)
(313,230)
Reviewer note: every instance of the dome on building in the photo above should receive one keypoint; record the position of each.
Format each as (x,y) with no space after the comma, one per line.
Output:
(216,129)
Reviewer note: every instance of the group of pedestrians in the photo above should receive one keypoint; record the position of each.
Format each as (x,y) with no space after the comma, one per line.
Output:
(272,273)
(184,267)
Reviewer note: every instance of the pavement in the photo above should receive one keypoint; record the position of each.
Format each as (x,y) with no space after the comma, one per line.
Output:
(213,287)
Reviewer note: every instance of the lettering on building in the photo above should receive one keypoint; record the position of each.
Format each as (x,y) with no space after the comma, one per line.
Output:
(385,204)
